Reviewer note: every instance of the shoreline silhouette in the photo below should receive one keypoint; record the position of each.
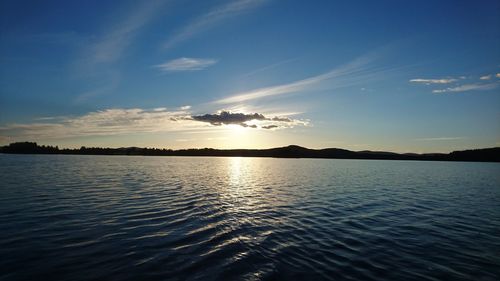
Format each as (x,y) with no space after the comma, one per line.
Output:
(291,151)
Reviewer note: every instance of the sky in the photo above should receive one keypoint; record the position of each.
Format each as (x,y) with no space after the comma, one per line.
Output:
(402,76)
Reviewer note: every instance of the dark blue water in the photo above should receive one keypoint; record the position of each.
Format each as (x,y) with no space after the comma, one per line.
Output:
(172,218)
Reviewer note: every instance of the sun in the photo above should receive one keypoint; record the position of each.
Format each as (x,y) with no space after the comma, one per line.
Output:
(236,128)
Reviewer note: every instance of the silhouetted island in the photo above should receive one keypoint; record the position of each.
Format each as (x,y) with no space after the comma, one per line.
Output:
(291,151)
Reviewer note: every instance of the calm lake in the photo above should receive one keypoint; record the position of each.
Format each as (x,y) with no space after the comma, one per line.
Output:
(68,217)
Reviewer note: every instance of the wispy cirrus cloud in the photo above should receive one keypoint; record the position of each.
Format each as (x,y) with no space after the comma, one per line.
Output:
(211,18)
(110,46)
(185,64)
(434,81)
(109,84)
(345,73)
(100,51)
(267,67)
(467,87)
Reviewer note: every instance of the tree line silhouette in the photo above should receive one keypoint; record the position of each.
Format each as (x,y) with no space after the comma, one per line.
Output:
(291,151)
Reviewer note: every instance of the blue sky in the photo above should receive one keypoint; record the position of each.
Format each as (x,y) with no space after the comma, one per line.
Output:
(420,76)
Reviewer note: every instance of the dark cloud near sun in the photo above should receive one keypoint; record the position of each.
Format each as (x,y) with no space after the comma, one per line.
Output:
(228,118)
(270,127)
(249,126)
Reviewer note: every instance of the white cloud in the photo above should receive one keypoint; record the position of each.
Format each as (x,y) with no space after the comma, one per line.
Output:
(185,107)
(433,81)
(211,18)
(352,70)
(467,87)
(498,75)
(186,64)
(485,77)
(105,122)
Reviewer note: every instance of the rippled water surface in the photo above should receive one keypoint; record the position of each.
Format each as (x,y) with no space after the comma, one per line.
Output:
(173,218)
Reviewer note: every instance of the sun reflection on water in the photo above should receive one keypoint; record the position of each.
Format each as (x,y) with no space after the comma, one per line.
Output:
(239,189)
(235,171)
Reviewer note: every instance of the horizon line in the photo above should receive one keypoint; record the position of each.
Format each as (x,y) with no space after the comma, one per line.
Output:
(234,149)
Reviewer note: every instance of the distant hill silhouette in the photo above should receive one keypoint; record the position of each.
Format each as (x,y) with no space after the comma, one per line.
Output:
(291,151)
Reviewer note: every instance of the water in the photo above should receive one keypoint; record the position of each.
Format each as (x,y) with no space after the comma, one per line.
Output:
(172,218)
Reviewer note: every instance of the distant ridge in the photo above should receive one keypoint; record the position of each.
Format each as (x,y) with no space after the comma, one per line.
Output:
(291,151)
